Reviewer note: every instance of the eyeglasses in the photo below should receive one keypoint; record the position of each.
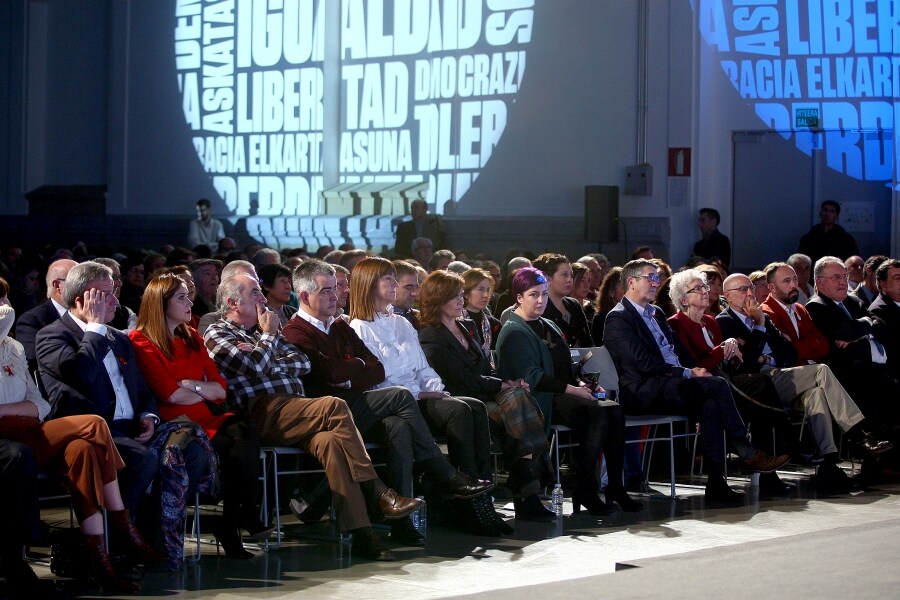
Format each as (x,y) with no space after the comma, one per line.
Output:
(653,277)
(836,278)
(698,290)
(742,289)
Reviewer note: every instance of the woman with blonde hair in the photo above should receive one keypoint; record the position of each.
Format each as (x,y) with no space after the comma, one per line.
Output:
(186,382)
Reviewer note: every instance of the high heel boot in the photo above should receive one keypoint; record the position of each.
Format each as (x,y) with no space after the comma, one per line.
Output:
(103,567)
(127,539)
(591,501)
(621,497)
(227,534)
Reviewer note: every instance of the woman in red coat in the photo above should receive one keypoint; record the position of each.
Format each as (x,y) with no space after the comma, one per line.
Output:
(754,393)
(186,382)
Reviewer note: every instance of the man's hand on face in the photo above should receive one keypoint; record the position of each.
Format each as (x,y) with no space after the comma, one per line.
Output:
(268,321)
(94,304)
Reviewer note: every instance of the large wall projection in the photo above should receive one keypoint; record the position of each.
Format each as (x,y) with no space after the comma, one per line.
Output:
(807,65)
(426,91)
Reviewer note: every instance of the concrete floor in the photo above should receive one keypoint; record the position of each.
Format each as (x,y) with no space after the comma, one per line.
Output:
(574,551)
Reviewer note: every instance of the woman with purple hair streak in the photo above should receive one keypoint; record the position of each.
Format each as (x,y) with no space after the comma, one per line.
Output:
(532,348)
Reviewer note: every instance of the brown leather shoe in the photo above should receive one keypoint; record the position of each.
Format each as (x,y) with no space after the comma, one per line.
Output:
(874,447)
(394,506)
(463,487)
(763,463)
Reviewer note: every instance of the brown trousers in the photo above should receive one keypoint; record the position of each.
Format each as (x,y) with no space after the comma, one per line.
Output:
(325,428)
(80,447)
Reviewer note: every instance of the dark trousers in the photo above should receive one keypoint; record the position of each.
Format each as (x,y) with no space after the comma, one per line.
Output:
(596,428)
(463,422)
(709,401)
(18,501)
(141,468)
(237,444)
(390,416)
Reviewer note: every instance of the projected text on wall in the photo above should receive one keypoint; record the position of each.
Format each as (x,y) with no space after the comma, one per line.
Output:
(807,65)
(425,94)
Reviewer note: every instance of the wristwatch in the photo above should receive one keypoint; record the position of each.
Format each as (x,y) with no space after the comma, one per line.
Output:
(197,387)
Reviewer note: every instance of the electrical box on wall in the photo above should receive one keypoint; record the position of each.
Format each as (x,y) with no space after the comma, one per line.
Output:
(639,180)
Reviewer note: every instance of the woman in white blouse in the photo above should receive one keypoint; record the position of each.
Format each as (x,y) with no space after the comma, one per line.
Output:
(81,447)
(462,421)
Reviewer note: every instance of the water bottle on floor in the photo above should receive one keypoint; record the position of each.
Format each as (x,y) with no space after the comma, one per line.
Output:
(420,519)
(556,500)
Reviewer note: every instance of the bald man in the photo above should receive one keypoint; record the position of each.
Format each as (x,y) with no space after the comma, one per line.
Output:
(47,312)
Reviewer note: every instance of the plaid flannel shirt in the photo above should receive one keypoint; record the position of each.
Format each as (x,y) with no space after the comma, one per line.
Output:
(270,365)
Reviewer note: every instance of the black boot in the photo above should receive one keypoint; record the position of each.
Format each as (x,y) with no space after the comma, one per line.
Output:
(530,508)
(718,491)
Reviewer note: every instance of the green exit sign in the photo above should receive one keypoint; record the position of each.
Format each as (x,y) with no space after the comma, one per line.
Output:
(807,117)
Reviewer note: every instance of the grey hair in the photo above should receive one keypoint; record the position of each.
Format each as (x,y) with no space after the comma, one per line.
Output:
(263,253)
(458,267)
(109,262)
(678,285)
(231,289)
(236,267)
(305,275)
(421,241)
(517,262)
(633,268)
(798,258)
(823,262)
(80,277)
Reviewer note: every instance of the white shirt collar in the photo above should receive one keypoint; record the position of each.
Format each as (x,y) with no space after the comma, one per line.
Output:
(95,327)
(788,308)
(323,326)
(59,307)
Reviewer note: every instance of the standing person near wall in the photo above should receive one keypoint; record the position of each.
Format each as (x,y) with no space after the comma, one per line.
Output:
(204,230)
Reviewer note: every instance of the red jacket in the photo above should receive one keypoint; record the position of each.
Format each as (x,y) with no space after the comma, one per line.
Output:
(812,343)
(691,336)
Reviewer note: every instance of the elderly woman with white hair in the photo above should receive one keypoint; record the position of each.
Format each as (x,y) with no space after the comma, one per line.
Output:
(702,345)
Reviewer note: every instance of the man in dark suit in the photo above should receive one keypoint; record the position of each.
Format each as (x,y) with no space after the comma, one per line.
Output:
(652,379)
(343,366)
(867,290)
(886,307)
(857,352)
(422,225)
(43,314)
(812,388)
(89,368)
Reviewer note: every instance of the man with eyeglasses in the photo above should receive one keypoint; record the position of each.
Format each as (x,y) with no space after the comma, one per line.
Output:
(656,377)
(857,353)
(812,388)
(32,321)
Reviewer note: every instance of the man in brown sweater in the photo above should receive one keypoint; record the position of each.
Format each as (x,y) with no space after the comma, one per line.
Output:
(342,366)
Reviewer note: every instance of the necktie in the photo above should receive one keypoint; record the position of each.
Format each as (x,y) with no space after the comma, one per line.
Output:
(844,308)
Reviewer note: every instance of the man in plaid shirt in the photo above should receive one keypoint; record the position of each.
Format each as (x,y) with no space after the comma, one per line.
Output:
(263,373)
